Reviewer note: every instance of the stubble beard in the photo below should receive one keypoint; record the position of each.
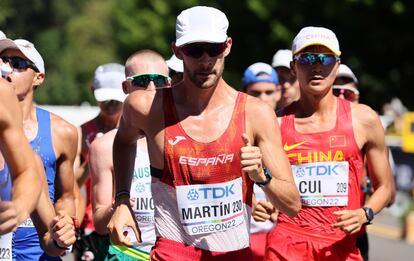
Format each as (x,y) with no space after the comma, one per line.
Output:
(209,82)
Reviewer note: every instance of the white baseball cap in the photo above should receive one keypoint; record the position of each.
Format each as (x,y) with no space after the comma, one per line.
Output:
(107,82)
(282,58)
(175,64)
(28,50)
(2,35)
(201,24)
(315,36)
(345,71)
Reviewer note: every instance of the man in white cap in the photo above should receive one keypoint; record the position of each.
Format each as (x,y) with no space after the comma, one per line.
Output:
(176,69)
(290,85)
(195,131)
(53,138)
(345,84)
(107,90)
(325,139)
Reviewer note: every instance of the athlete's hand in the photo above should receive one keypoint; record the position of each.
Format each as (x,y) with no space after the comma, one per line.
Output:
(62,230)
(8,217)
(123,216)
(251,160)
(350,221)
(263,211)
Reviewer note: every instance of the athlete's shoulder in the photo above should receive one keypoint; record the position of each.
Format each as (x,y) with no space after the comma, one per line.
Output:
(363,114)
(141,101)
(255,105)
(103,143)
(63,129)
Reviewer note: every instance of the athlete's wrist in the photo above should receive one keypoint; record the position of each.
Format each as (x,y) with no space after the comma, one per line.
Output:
(267,178)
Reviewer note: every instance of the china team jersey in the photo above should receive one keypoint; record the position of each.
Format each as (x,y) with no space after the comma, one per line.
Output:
(203,198)
(327,167)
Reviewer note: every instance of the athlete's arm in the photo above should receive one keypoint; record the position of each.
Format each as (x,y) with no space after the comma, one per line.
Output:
(379,168)
(263,129)
(20,160)
(65,140)
(369,134)
(101,169)
(49,226)
(134,118)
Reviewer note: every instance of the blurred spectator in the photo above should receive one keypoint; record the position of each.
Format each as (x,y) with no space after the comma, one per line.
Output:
(176,68)
(290,85)
(345,84)
(393,116)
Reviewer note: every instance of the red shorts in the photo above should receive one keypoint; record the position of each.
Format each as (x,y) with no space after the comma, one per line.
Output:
(166,249)
(287,242)
(258,245)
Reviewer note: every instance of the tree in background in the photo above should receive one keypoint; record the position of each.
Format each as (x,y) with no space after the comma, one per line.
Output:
(75,36)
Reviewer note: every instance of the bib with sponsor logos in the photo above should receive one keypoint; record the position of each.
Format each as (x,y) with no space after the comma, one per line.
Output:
(322,183)
(210,208)
(6,247)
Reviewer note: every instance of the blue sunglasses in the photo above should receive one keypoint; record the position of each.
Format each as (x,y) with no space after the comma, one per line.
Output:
(312,58)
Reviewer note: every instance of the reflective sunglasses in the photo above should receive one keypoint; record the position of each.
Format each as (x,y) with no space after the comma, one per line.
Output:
(196,50)
(19,63)
(349,93)
(142,80)
(311,58)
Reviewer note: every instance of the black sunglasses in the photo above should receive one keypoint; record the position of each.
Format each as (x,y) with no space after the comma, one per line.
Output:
(19,63)
(196,50)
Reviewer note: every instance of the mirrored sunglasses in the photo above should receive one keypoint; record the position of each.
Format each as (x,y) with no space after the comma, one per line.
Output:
(143,80)
(19,63)
(312,58)
(349,93)
(196,50)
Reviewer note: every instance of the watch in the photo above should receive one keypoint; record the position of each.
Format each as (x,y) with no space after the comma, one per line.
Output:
(268,176)
(369,213)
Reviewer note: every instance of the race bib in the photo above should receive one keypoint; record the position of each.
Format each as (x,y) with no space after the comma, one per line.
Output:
(27,223)
(210,208)
(322,184)
(141,189)
(6,247)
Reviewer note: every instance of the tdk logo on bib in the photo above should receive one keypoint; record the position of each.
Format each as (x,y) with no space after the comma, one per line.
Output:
(211,193)
(318,170)
(192,194)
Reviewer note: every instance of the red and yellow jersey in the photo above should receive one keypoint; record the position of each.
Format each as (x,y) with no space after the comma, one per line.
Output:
(203,197)
(327,167)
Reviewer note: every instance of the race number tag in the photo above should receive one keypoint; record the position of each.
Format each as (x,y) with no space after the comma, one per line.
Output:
(322,184)
(27,223)
(210,208)
(141,189)
(6,247)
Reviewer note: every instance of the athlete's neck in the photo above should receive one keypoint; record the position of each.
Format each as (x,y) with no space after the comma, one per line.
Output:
(309,105)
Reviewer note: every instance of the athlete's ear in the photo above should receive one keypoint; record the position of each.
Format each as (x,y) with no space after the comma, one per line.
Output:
(176,50)
(292,68)
(125,86)
(229,43)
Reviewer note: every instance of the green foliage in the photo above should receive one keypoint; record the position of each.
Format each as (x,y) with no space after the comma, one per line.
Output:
(76,36)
